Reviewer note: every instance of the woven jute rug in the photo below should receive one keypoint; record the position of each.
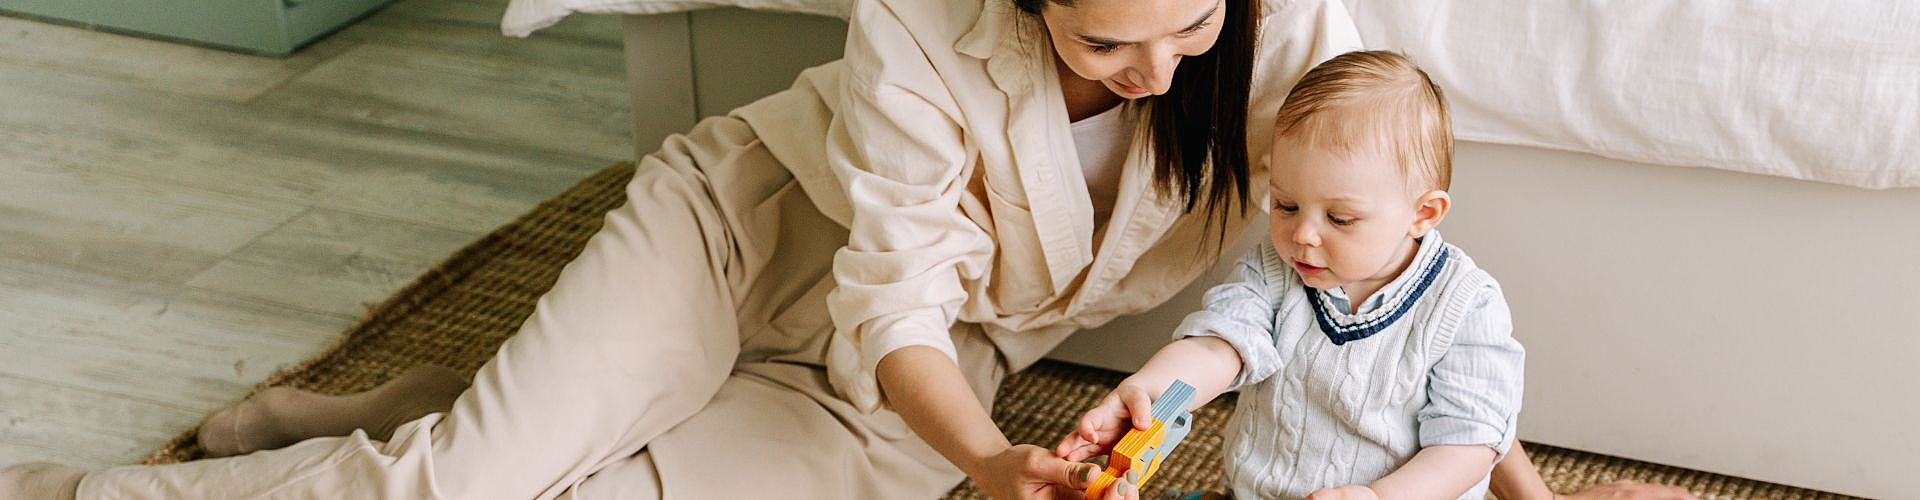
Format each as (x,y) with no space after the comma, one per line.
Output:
(457,315)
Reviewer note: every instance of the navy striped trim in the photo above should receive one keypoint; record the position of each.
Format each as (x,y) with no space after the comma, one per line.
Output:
(1340,334)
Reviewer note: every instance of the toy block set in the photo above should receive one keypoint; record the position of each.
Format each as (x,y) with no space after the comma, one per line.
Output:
(1140,452)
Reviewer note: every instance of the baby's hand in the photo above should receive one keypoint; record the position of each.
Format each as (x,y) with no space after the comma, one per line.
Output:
(1127,407)
(1348,492)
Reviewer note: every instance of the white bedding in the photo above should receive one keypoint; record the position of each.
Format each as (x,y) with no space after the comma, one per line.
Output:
(1827,92)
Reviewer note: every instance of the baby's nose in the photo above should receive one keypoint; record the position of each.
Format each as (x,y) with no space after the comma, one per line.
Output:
(1304,235)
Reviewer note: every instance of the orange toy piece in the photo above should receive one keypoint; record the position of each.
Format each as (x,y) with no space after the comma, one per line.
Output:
(1142,451)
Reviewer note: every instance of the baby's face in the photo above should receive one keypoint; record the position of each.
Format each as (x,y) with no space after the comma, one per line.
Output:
(1341,219)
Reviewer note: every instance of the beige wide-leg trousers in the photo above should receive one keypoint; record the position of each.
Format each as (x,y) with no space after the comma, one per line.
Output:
(679,356)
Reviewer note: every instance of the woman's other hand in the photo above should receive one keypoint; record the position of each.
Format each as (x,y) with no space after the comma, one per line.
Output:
(1028,472)
(1127,407)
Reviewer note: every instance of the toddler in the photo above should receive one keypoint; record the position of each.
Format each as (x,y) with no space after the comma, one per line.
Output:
(1374,360)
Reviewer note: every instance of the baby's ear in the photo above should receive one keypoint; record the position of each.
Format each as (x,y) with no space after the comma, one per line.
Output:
(1428,211)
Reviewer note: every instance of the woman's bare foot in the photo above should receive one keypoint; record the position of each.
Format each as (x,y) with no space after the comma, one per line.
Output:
(40,481)
(278,417)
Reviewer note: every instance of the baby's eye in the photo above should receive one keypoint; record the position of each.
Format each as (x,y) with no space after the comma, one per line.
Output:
(1285,208)
(1339,221)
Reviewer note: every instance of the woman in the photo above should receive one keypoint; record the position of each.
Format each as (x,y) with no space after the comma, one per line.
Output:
(796,294)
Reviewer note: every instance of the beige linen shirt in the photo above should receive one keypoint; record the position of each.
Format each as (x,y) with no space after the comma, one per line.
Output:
(949,158)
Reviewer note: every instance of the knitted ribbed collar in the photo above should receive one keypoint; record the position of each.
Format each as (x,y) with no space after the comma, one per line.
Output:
(1342,328)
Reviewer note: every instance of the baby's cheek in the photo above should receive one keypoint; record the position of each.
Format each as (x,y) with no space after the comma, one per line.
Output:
(1278,237)
(1345,266)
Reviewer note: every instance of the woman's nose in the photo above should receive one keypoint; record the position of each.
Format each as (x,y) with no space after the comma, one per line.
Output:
(1156,71)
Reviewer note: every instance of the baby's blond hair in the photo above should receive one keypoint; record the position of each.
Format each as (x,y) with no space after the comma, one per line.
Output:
(1375,101)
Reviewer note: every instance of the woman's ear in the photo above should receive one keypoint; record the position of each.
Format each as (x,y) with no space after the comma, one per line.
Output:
(1428,211)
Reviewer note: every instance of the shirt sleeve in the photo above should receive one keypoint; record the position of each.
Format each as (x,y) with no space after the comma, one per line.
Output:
(1474,389)
(899,154)
(1240,311)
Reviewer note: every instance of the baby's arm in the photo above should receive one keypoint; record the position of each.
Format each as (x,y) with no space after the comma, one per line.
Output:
(1209,364)
(1206,363)
(1225,345)
(1443,471)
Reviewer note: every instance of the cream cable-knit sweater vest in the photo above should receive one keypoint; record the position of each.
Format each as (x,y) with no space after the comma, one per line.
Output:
(1347,413)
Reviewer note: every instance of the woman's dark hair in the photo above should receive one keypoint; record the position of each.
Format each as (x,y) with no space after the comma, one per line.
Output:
(1199,126)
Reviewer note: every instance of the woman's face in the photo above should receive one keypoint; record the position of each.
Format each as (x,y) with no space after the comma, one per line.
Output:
(1132,46)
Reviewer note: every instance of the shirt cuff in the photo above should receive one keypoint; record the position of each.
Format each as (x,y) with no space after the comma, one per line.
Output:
(853,364)
(1258,358)
(1443,431)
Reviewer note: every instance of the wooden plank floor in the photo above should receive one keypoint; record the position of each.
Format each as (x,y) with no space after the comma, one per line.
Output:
(177,222)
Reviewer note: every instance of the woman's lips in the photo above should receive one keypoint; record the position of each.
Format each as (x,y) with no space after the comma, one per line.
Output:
(1307,270)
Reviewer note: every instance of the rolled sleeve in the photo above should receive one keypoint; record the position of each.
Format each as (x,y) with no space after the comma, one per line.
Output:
(1240,311)
(901,158)
(1474,389)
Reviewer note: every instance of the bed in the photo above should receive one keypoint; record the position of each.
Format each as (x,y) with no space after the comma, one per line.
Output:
(1705,214)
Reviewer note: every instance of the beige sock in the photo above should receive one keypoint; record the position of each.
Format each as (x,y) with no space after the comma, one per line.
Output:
(278,417)
(40,481)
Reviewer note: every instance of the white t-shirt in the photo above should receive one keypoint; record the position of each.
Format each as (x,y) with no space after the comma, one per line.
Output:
(1102,141)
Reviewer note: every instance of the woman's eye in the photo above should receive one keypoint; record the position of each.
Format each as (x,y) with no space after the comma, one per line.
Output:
(1195,29)
(1105,49)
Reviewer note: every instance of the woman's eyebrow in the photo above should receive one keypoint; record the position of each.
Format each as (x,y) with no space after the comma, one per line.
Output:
(1101,40)
(1203,17)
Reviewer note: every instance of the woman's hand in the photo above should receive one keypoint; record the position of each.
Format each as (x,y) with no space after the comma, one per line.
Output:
(1028,472)
(1628,489)
(1127,407)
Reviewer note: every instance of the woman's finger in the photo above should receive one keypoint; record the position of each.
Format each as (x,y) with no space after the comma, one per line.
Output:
(1080,474)
(1060,471)
(1122,489)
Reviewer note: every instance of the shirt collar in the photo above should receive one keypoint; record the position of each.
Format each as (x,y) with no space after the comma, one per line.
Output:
(996,17)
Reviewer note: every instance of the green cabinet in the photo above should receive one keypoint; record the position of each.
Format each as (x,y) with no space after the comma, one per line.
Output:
(269,27)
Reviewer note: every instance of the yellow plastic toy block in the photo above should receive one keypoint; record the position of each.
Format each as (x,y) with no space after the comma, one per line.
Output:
(1141,451)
